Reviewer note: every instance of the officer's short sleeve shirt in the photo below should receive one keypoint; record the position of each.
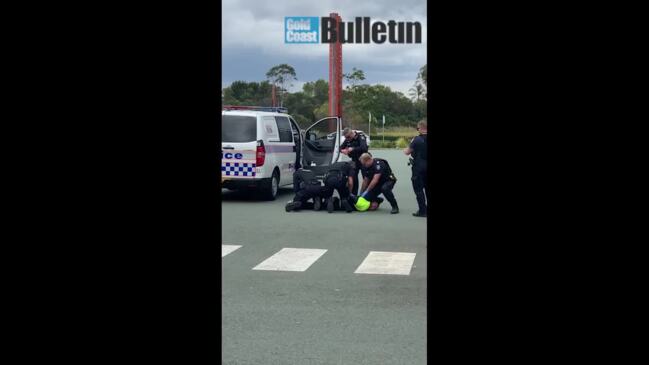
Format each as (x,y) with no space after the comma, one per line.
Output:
(381,168)
(416,142)
(365,172)
(378,167)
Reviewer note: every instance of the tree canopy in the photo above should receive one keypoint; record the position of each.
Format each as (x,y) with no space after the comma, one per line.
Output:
(311,104)
(354,77)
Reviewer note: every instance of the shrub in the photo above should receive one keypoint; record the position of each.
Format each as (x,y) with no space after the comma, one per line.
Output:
(402,143)
(381,144)
(380,138)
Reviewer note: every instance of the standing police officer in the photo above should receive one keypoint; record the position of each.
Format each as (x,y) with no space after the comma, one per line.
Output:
(419,150)
(354,146)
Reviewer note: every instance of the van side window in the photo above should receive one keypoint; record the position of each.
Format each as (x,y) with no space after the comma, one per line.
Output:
(284,128)
(296,130)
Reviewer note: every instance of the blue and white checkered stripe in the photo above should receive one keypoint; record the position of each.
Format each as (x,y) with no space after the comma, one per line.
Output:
(238,169)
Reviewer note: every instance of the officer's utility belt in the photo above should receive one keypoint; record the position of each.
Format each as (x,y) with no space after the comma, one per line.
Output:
(333,173)
(305,184)
(392,177)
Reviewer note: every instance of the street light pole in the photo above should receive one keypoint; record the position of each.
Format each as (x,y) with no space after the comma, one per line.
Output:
(369,124)
(384,130)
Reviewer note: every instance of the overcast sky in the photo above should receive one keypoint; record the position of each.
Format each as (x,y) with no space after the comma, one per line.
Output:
(253,41)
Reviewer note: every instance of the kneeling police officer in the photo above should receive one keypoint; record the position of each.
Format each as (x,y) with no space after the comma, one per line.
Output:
(306,186)
(378,179)
(339,178)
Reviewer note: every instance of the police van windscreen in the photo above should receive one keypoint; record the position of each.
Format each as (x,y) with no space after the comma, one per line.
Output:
(238,128)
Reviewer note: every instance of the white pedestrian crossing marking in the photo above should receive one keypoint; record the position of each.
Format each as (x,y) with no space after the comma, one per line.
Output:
(387,263)
(227,249)
(291,259)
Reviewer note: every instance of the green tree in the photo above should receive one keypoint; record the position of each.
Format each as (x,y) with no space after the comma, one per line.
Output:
(302,107)
(318,90)
(281,75)
(379,100)
(312,103)
(422,79)
(354,77)
(420,110)
(416,92)
(423,74)
(247,93)
(322,111)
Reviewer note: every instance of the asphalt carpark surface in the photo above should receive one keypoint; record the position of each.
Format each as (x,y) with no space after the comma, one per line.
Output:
(327,314)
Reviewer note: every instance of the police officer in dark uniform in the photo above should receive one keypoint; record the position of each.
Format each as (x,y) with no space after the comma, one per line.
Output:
(306,186)
(339,178)
(378,179)
(354,146)
(418,150)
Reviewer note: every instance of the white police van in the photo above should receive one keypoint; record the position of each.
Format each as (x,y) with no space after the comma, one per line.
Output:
(261,147)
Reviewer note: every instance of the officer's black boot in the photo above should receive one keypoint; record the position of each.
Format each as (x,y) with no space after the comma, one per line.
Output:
(330,204)
(293,205)
(336,203)
(348,207)
(317,203)
(393,202)
(421,201)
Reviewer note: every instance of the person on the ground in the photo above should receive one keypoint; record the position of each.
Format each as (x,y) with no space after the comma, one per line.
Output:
(418,150)
(354,146)
(361,204)
(378,179)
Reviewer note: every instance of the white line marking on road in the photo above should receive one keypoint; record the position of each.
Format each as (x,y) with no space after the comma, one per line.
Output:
(227,249)
(291,259)
(387,263)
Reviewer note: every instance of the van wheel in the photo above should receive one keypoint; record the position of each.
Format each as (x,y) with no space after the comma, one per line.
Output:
(271,187)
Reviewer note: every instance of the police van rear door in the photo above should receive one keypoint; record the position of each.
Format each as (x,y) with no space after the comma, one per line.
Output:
(238,146)
(321,145)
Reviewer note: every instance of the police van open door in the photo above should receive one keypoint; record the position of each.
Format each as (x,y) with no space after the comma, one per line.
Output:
(322,145)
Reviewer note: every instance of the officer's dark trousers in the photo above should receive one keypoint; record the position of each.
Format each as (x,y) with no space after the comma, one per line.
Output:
(419,179)
(296,183)
(386,190)
(340,187)
(354,174)
(309,192)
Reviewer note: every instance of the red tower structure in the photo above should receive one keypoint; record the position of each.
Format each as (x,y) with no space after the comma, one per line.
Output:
(273,96)
(336,73)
